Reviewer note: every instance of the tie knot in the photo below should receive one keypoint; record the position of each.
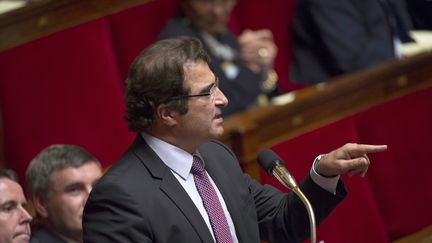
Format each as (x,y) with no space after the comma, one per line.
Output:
(197,166)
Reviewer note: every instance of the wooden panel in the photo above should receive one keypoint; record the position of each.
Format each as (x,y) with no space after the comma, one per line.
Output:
(423,236)
(262,127)
(42,18)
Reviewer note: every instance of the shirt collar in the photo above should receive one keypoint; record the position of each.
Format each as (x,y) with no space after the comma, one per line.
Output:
(177,159)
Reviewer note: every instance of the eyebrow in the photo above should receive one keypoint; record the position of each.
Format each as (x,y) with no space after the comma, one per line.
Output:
(74,185)
(207,88)
(13,203)
(210,86)
(8,203)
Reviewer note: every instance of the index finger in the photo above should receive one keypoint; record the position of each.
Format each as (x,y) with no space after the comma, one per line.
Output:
(368,148)
(360,149)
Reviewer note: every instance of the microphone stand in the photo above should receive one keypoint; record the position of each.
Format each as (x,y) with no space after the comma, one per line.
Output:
(287,180)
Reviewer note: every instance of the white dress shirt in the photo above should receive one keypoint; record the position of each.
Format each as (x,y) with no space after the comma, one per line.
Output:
(180,163)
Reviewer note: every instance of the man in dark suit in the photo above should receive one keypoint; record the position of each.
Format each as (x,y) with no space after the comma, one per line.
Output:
(158,191)
(332,38)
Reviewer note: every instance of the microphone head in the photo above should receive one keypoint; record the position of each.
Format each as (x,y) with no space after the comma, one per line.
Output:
(268,160)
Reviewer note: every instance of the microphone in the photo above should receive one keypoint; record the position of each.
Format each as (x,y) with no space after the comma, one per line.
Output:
(275,166)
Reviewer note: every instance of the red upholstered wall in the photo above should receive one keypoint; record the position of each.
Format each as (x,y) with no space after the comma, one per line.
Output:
(63,88)
(134,29)
(401,178)
(394,199)
(276,15)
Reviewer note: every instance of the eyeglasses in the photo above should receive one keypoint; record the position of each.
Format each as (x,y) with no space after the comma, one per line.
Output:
(210,92)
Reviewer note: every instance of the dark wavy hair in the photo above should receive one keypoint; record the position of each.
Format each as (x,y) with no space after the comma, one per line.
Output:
(157,75)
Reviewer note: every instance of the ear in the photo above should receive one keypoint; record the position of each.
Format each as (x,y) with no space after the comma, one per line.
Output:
(40,205)
(165,115)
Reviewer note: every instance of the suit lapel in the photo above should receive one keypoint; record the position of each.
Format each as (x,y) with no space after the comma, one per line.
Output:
(177,194)
(172,188)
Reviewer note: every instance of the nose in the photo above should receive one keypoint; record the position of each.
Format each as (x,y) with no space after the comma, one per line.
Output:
(25,216)
(218,9)
(87,192)
(220,13)
(221,99)
(85,195)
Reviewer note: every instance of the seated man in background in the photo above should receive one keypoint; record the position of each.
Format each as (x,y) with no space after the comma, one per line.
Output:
(244,65)
(332,38)
(14,218)
(60,179)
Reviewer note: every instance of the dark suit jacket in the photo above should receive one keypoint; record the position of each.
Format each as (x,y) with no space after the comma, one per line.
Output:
(140,200)
(420,11)
(337,37)
(43,235)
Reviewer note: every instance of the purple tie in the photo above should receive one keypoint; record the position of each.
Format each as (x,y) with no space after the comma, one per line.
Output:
(211,202)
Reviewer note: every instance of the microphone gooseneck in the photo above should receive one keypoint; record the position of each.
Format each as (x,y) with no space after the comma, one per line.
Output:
(274,166)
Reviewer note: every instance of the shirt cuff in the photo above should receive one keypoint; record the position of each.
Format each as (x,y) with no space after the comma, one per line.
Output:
(327,183)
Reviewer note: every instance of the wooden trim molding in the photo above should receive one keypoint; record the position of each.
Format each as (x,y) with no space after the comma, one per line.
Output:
(41,18)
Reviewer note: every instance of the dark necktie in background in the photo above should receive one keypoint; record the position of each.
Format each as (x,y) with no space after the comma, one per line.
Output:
(211,202)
